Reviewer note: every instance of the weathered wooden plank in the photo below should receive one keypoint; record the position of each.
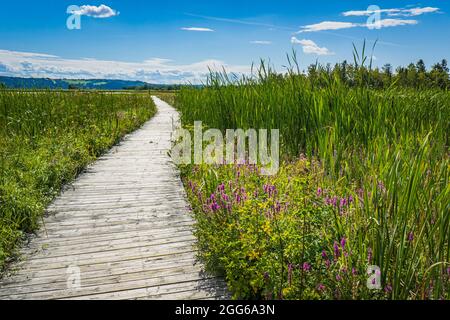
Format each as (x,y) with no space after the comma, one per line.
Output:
(125,224)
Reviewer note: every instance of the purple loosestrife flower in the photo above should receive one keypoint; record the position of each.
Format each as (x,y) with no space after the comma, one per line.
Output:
(411,236)
(319,192)
(328,263)
(350,199)
(338,278)
(334,201)
(306,267)
(215,207)
(354,272)
(320,287)
(360,193)
(343,242)
(343,202)
(388,289)
(369,255)
(324,254)
(381,186)
(278,207)
(337,252)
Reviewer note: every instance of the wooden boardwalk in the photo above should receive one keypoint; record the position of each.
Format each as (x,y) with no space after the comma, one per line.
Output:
(120,231)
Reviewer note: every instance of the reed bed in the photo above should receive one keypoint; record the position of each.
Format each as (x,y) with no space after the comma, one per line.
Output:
(365,181)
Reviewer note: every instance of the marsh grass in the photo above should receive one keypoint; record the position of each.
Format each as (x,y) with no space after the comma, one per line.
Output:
(46,139)
(387,148)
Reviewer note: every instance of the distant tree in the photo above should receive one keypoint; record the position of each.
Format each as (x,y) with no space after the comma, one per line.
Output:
(72,87)
(439,75)
(387,74)
(2,85)
(420,65)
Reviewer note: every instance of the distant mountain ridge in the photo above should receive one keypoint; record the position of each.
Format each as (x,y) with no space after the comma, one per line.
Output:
(99,84)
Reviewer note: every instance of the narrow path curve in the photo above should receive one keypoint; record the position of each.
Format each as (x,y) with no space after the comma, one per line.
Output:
(120,231)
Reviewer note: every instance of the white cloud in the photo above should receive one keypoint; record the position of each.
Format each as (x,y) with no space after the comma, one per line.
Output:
(101,11)
(154,70)
(328,25)
(263,42)
(361,13)
(419,11)
(336,25)
(197,29)
(386,23)
(310,47)
(392,12)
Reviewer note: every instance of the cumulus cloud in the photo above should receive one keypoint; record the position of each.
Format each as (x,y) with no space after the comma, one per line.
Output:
(155,70)
(310,47)
(337,25)
(263,42)
(392,12)
(102,11)
(197,29)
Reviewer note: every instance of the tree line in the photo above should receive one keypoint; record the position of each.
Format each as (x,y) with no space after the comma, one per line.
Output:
(415,75)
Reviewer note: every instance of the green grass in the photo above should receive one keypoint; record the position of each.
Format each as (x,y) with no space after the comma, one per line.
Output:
(387,149)
(46,139)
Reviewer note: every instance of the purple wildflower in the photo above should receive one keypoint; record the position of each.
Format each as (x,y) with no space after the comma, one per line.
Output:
(306,267)
(324,254)
(319,192)
(320,287)
(278,207)
(343,202)
(354,271)
(411,236)
(338,277)
(388,289)
(381,186)
(214,206)
(337,252)
(343,242)
(360,193)
(350,199)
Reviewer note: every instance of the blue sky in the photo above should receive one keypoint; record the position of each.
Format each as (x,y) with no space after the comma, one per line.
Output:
(176,41)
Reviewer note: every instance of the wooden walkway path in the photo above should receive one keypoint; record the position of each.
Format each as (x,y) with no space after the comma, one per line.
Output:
(120,231)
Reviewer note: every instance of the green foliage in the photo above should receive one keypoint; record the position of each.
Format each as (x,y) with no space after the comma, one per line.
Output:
(47,138)
(387,150)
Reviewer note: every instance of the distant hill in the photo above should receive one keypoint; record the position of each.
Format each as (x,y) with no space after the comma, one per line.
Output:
(99,84)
